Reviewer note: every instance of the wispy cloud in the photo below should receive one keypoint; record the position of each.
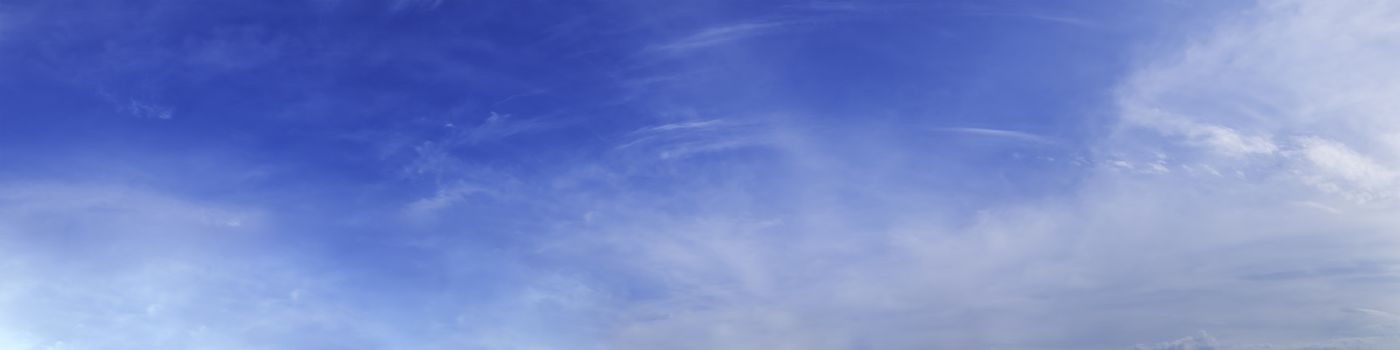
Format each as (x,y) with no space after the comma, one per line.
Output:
(1258,98)
(1247,186)
(1115,253)
(999,133)
(1200,342)
(897,7)
(138,108)
(498,126)
(723,34)
(1243,95)
(401,5)
(689,138)
(702,124)
(1382,315)
(446,196)
(148,110)
(1037,16)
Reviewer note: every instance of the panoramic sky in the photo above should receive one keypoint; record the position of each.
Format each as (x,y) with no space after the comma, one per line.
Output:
(707,174)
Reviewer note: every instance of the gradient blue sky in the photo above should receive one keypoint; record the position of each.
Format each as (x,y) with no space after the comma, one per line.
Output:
(626,174)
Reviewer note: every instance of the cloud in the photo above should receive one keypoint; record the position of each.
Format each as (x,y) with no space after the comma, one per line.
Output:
(684,126)
(722,34)
(1263,94)
(94,266)
(401,5)
(1225,136)
(1202,342)
(149,111)
(820,11)
(1000,133)
(1245,189)
(1044,17)
(439,160)
(498,126)
(1382,315)
(446,196)
(1333,167)
(691,138)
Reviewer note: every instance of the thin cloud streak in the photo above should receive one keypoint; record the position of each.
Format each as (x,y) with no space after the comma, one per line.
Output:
(715,36)
(1000,133)
(1043,17)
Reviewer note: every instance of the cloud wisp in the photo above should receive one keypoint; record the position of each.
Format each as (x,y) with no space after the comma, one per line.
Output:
(721,35)
(1000,133)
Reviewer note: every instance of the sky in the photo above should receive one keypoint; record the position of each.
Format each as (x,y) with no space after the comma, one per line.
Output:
(686,174)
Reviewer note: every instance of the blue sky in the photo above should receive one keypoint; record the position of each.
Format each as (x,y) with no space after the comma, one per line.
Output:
(618,174)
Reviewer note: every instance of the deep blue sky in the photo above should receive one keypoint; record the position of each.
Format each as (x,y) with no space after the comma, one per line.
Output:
(618,174)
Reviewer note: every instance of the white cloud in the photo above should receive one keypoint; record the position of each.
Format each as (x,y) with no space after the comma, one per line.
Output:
(116,267)
(1039,16)
(1382,315)
(1337,168)
(685,139)
(1237,129)
(721,35)
(1291,90)
(446,196)
(90,267)
(401,5)
(1201,342)
(1276,230)
(1000,133)
(149,110)
(498,126)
